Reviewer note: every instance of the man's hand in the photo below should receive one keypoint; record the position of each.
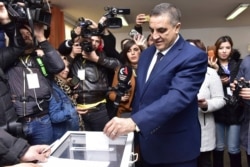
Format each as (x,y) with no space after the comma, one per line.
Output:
(140,40)
(4,16)
(35,153)
(119,126)
(140,19)
(91,56)
(76,49)
(39,32)
(245,93)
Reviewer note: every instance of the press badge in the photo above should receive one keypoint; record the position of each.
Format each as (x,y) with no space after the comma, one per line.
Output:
(33,81)
(81,74)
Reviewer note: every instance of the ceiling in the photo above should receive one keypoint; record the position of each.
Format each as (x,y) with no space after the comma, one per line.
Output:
(195,13)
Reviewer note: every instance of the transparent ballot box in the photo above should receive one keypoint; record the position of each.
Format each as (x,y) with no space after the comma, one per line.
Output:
(92,149)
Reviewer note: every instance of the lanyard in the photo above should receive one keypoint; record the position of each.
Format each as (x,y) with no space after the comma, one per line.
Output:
(25,63)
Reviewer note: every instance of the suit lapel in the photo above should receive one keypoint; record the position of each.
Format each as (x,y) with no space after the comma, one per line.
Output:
(166,60)
(145,62)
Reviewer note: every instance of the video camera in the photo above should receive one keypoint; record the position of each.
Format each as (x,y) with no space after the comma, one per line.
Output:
(86,33)
(112,20)
(235,98)
(14,128)
(33,10)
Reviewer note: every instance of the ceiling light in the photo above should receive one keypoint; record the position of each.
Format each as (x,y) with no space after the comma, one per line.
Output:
(237,11)
(124,21)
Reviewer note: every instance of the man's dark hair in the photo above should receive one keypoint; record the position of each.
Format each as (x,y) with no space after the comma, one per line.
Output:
(166,8)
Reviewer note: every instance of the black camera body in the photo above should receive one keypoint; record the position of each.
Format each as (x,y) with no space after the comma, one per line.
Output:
(35,10)
(15,128)
(235,98)
(86,33)
(86,46)
(113,21)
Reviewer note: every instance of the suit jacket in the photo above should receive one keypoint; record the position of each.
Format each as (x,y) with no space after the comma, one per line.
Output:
(165,106)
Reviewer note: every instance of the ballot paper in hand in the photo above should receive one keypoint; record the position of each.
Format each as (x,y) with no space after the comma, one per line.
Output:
(97,141)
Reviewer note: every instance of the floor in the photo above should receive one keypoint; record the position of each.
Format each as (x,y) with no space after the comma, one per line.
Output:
(243,160)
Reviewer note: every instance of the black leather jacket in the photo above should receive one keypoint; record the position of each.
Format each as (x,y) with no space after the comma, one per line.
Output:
(95,85)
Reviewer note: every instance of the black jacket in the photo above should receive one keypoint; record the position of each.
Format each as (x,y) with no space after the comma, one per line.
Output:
(8,56)
(17,74)
(95,85)
(11,148)
(228,114)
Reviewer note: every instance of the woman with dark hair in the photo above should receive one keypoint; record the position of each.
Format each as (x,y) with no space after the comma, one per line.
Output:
(227,120)
(130,54)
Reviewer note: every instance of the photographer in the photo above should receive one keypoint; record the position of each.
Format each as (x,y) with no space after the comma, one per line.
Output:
(12,150)
(8,56)
(29,83)
(91,67)
(244,94)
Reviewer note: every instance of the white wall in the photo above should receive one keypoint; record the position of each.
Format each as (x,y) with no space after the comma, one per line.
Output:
(240,36)
(68,28)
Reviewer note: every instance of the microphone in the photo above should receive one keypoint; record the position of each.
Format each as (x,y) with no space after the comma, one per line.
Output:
(124,77)
(124,74)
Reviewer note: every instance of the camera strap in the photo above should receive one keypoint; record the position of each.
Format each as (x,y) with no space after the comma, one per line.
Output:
(31,26)
(42,67)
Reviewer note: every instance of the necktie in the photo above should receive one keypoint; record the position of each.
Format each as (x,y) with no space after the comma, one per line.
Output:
(159,56)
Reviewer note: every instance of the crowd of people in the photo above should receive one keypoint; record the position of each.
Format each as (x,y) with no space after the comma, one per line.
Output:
(184,108)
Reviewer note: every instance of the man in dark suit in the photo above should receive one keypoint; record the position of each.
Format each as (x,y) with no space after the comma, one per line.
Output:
(165,110)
